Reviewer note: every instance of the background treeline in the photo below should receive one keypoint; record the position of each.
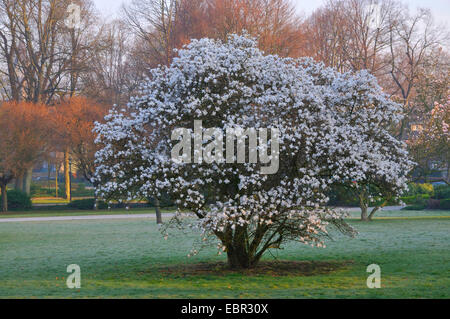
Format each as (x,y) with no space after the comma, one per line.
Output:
(56,79)
(418,197)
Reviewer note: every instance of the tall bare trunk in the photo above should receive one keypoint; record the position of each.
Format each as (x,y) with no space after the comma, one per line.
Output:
(4,198)
(158,212)
(67,174)
(19,183)
(49,174)
(27,181)
(56,182)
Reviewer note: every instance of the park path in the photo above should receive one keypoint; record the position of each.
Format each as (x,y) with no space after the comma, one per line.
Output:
(91,217)
(124,216)
(357,209)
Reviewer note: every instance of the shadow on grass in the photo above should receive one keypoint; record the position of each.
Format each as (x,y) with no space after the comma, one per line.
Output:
(264,268)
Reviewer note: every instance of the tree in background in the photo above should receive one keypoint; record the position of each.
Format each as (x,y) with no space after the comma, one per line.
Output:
(350,35)
(160,26)
(116,68)
(273,22)
(430,147)
(412,39)
(432,85)
(383,37)
(43,56)
(38,48)
(153,22)
(75,120)
(21,145)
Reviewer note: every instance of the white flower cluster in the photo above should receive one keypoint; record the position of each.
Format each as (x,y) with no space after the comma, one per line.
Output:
(333,128)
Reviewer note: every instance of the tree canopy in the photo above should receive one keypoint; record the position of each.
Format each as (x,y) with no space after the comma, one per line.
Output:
(331,129)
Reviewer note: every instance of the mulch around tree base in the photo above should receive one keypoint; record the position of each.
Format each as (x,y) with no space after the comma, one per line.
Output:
(269,268)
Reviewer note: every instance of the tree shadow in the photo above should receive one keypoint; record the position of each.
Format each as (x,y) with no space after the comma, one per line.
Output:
(264,268)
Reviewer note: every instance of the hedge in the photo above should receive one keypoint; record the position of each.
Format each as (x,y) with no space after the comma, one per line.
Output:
(86,204)
(445,204)
(442,192)
(18,200)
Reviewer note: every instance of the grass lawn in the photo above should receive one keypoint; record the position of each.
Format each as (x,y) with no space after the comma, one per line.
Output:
(129,258)
(59,213)
(49,200)
(59,200)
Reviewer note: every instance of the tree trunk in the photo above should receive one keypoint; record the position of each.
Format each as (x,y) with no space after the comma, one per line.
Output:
(364,206)
(49,174)
(19,183)
(447,178)
(364,215)
(67,174)
(158,212)
(238,258)
(4,198)
(56,182)
(238,252)
(27,181)
(377,208)
(373,213)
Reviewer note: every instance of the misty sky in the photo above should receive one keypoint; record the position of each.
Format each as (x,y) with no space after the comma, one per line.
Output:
(440,8)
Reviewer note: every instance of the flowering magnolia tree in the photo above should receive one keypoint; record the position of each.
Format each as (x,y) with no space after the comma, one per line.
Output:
(377,163)
(325,128)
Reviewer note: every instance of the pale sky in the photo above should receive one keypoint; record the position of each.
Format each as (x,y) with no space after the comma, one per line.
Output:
(440,8)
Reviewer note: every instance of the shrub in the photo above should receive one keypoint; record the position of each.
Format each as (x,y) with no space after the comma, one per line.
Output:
(415,207)
(340,196)
(18,200)
(79,190)
(415,189)
(38,190)
(433,204)
(415,199)
(441,192)
(164,201)
(445,204)
(425,189)
(86,204)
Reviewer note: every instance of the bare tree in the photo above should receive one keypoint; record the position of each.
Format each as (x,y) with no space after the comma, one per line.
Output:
(153,21)
(43,56)
(21,145)
(351,35)
(114,70)
(411,40)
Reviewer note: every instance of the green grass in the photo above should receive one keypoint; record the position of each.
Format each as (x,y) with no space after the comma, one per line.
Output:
(49,201)
(58,200)
(61,213)
(126,259)
(405,214)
